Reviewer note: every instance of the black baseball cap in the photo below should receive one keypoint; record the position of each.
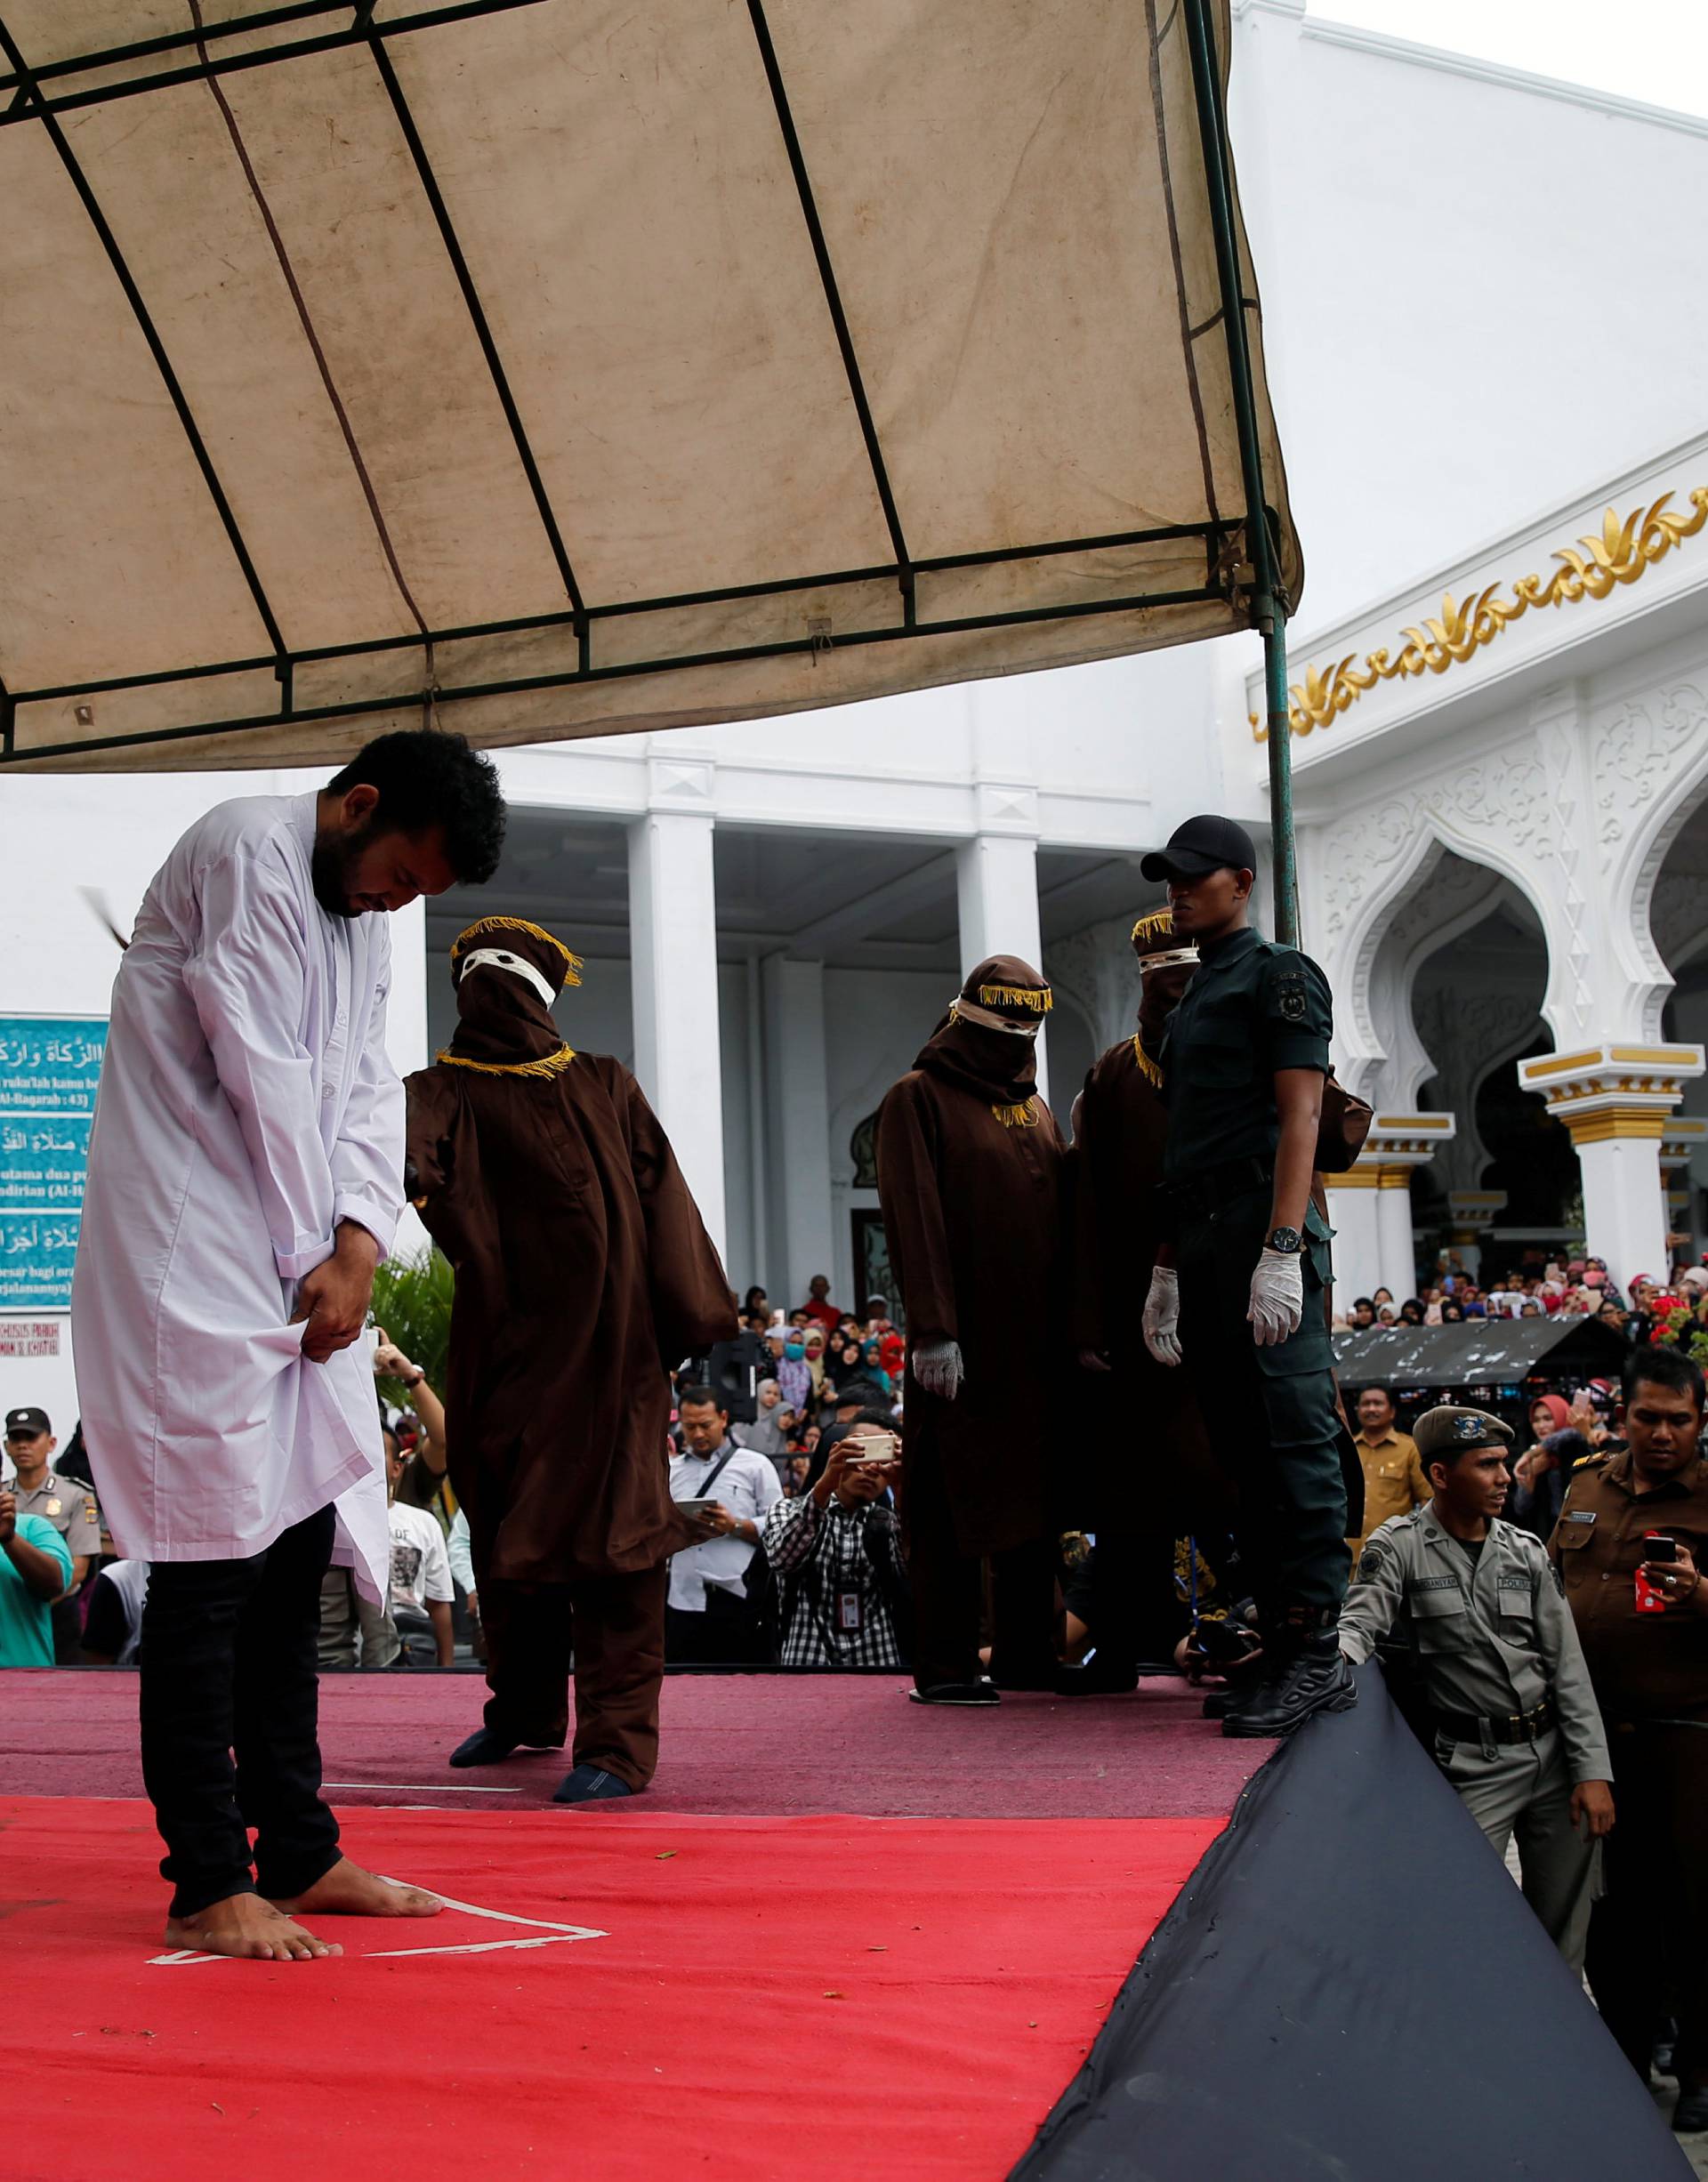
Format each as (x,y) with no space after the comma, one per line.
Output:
(30,1420)
(1203,844)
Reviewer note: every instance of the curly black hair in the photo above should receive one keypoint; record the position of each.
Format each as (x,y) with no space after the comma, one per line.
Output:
(427,779)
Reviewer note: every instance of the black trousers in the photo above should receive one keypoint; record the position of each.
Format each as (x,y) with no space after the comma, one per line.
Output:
(228,1672)
(730,1630)
(614,1628)
(949,1591)
(1647,1952)
(1269,1412)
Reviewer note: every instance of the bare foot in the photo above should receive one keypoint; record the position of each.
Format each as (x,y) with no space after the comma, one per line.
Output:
(347,1890)
(244,1926)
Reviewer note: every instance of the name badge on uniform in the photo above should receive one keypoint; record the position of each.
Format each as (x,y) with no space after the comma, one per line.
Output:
(1580,1515)
(848,1612)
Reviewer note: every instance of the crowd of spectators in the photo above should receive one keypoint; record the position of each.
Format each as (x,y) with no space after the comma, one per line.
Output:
(1672,1309)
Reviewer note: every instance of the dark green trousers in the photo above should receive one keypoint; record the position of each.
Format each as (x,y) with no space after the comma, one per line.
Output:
(1269,1412)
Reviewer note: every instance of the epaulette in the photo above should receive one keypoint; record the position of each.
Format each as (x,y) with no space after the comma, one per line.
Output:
(1584,1461)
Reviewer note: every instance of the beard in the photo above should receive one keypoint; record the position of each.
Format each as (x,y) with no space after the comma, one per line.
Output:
(330,867)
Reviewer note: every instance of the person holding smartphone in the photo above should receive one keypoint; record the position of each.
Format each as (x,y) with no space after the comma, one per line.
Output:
(1630,1545)
(837,1556)
(714,1610)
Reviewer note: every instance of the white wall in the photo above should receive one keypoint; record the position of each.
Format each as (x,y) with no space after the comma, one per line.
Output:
(1465,314)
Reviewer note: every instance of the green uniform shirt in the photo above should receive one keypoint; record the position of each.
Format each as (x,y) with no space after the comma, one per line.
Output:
(1251,1008)
(27,1622)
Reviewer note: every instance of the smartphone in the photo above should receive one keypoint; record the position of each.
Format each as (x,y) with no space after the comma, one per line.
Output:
(696,1507)
(1658,1547)
(880,1449)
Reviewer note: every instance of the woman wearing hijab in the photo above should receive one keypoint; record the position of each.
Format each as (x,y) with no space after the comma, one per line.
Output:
(970,1180)
(792,1373)
(583,1273)
(814,1340)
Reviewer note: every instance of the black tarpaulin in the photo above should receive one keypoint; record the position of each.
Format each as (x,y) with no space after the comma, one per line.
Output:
(1351,1989)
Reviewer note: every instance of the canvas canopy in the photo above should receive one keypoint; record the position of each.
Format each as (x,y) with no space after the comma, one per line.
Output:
(546,368)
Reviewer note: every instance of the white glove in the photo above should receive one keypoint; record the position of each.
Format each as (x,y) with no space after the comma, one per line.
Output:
(1277,1296)
(936,1366)
(1162,1318)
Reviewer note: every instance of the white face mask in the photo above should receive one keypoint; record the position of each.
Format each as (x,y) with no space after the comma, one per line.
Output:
(501,958)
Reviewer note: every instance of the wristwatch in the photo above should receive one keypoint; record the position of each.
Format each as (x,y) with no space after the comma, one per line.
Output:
(1288,1240)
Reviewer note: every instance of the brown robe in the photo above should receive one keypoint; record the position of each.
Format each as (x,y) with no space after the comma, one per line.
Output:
(973,1214)
(583,1273)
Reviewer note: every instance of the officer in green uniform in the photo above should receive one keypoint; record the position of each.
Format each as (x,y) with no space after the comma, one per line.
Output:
(1239,1295)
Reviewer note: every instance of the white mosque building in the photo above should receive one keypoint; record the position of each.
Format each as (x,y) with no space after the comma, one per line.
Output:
(1486,299)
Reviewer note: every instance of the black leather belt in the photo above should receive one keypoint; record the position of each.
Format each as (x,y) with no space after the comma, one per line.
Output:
(1195,1195)
(1509,1727)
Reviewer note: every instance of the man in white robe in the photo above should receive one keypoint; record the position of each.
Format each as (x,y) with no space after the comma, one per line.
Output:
(245,1179)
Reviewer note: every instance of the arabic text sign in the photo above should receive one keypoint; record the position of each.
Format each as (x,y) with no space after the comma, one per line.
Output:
(50,1064)
(49,1068)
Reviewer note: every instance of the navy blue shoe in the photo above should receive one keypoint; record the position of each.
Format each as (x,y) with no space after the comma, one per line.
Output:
(484,1748)
(590,1784)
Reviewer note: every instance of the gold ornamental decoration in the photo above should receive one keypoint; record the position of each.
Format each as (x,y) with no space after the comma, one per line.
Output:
(1626,548)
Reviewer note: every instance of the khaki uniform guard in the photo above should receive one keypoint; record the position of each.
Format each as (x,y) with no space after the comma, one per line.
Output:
(69,1506)
(1515,1720)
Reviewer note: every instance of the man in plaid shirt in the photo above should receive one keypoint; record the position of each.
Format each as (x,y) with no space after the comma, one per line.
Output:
(837,1556)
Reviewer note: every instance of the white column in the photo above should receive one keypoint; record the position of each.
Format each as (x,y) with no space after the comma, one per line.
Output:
(996,890)
(673,955)
(406,1034)
(1358,1246)
(1396,1245)
(406,1007)
(1370,1208)
(799,1170)
(1617,1101)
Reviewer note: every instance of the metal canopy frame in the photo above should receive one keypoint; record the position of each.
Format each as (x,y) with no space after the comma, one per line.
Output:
(28,97)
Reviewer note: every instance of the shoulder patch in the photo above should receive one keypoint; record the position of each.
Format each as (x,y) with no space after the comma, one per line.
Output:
(1290,995)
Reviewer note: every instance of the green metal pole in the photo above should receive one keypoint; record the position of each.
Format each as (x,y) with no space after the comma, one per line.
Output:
(1268,612)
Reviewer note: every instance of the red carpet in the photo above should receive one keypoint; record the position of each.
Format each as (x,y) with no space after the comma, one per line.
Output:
(764,1745)
(772,1997)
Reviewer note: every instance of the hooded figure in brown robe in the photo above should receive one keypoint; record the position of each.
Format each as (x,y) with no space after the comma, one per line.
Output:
(1129,1398)
(970,1178)
(583,1274)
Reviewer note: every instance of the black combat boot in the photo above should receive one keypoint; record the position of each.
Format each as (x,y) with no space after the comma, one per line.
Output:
(1306,1675)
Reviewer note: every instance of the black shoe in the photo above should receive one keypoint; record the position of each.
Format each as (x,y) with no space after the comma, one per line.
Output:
(484,1748)
(1312,1677)
(1097,1677)
(591,1784)
(956,1692)
(1691,2112)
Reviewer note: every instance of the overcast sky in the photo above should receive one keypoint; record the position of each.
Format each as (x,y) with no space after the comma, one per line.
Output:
(1652,50)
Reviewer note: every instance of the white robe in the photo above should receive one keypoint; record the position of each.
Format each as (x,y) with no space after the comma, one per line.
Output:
(247,1107)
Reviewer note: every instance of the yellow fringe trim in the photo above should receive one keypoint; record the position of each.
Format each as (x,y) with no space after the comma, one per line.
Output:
(1017,1118)
(1158,925)
(1040,1000)
(553,1064)
(516,924)
(1147,1068)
